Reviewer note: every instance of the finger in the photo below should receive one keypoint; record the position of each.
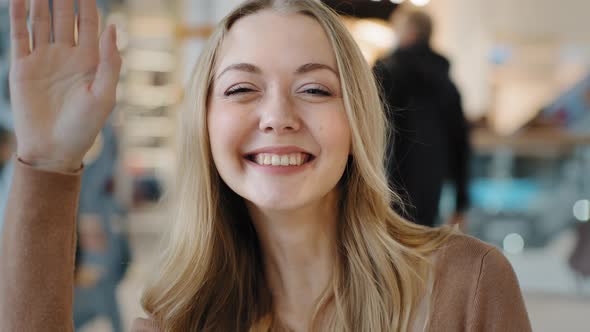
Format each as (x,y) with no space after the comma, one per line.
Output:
(63,21)
(107,74)
(18,27)
(40,23)
(88,24)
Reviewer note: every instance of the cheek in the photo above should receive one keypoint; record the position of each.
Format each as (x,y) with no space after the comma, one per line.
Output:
(334,134)
(225,132)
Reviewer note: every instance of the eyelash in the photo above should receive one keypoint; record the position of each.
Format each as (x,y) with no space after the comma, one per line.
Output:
(241,89)
(237,90)
(319,91)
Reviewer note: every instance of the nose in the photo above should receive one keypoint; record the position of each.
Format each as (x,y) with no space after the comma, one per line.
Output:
(278,115)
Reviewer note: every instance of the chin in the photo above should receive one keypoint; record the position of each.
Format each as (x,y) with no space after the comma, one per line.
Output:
(277,204)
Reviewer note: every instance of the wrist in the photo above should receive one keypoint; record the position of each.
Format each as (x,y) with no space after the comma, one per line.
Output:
(53,165)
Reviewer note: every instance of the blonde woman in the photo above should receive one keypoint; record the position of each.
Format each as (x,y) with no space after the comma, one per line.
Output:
(282,219)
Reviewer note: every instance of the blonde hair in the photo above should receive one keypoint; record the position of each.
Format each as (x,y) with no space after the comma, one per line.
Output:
(211,275)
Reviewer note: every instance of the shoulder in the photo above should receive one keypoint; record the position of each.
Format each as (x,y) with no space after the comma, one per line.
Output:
(389,62)
(482,263)
(464,262)
(463,249)
(476,289)
(380,67)
(144,325)
(442,59)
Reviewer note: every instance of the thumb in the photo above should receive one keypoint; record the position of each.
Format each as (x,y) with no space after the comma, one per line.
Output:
(107,73)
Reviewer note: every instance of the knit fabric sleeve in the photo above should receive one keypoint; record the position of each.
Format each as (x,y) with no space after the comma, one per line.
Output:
(497,303)
(37,253)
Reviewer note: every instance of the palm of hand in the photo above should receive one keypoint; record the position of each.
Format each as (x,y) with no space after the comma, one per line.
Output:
(53,86)
(61,93)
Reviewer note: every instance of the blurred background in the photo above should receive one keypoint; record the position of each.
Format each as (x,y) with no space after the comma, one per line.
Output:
(523,70)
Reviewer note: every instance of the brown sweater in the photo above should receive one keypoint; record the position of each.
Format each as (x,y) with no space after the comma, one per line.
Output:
(474,286)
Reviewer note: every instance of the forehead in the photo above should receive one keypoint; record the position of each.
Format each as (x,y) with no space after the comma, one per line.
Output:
(271,38)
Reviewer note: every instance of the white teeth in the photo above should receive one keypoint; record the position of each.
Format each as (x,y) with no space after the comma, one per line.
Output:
(292,159)
(285,160)
(276,160)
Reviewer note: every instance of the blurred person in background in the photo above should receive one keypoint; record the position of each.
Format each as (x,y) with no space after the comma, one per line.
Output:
(429,133)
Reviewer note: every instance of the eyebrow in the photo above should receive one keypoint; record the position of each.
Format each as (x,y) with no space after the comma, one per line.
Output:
(314,66)
(250,68)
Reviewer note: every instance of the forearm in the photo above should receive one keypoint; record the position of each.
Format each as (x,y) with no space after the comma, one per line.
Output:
(38,248)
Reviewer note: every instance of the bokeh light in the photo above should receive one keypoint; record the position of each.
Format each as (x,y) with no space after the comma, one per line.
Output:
(513,243)
(582,210)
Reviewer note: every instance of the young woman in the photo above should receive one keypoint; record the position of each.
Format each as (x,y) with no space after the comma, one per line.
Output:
(282,218)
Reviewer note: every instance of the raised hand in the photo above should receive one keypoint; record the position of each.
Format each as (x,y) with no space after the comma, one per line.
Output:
(61,91)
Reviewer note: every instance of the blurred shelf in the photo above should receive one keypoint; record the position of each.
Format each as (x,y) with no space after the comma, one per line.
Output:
(147,158)
(150,96)
(540,142)
(149,126)
(148,60)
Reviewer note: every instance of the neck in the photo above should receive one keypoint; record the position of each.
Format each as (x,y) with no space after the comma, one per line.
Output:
(299,255)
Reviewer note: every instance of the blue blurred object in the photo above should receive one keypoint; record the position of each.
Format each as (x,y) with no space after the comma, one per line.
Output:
(146,188)
(5,181)
(500,54)
(507,195)
(97,200)
(572,108)
(5,115)
(4,31)
(6,121)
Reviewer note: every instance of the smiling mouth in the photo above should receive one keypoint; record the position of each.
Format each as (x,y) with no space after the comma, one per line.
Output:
(281,160)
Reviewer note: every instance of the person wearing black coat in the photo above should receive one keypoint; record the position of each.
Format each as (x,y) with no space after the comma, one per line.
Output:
(428,129)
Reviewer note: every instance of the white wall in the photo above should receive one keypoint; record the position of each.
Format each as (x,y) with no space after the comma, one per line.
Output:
(541,18)
(196,13)
(460,34)
(546,36)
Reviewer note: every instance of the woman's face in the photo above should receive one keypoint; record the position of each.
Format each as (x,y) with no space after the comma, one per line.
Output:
(278,129)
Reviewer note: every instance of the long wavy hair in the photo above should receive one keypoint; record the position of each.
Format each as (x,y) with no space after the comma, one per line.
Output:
(211,275)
